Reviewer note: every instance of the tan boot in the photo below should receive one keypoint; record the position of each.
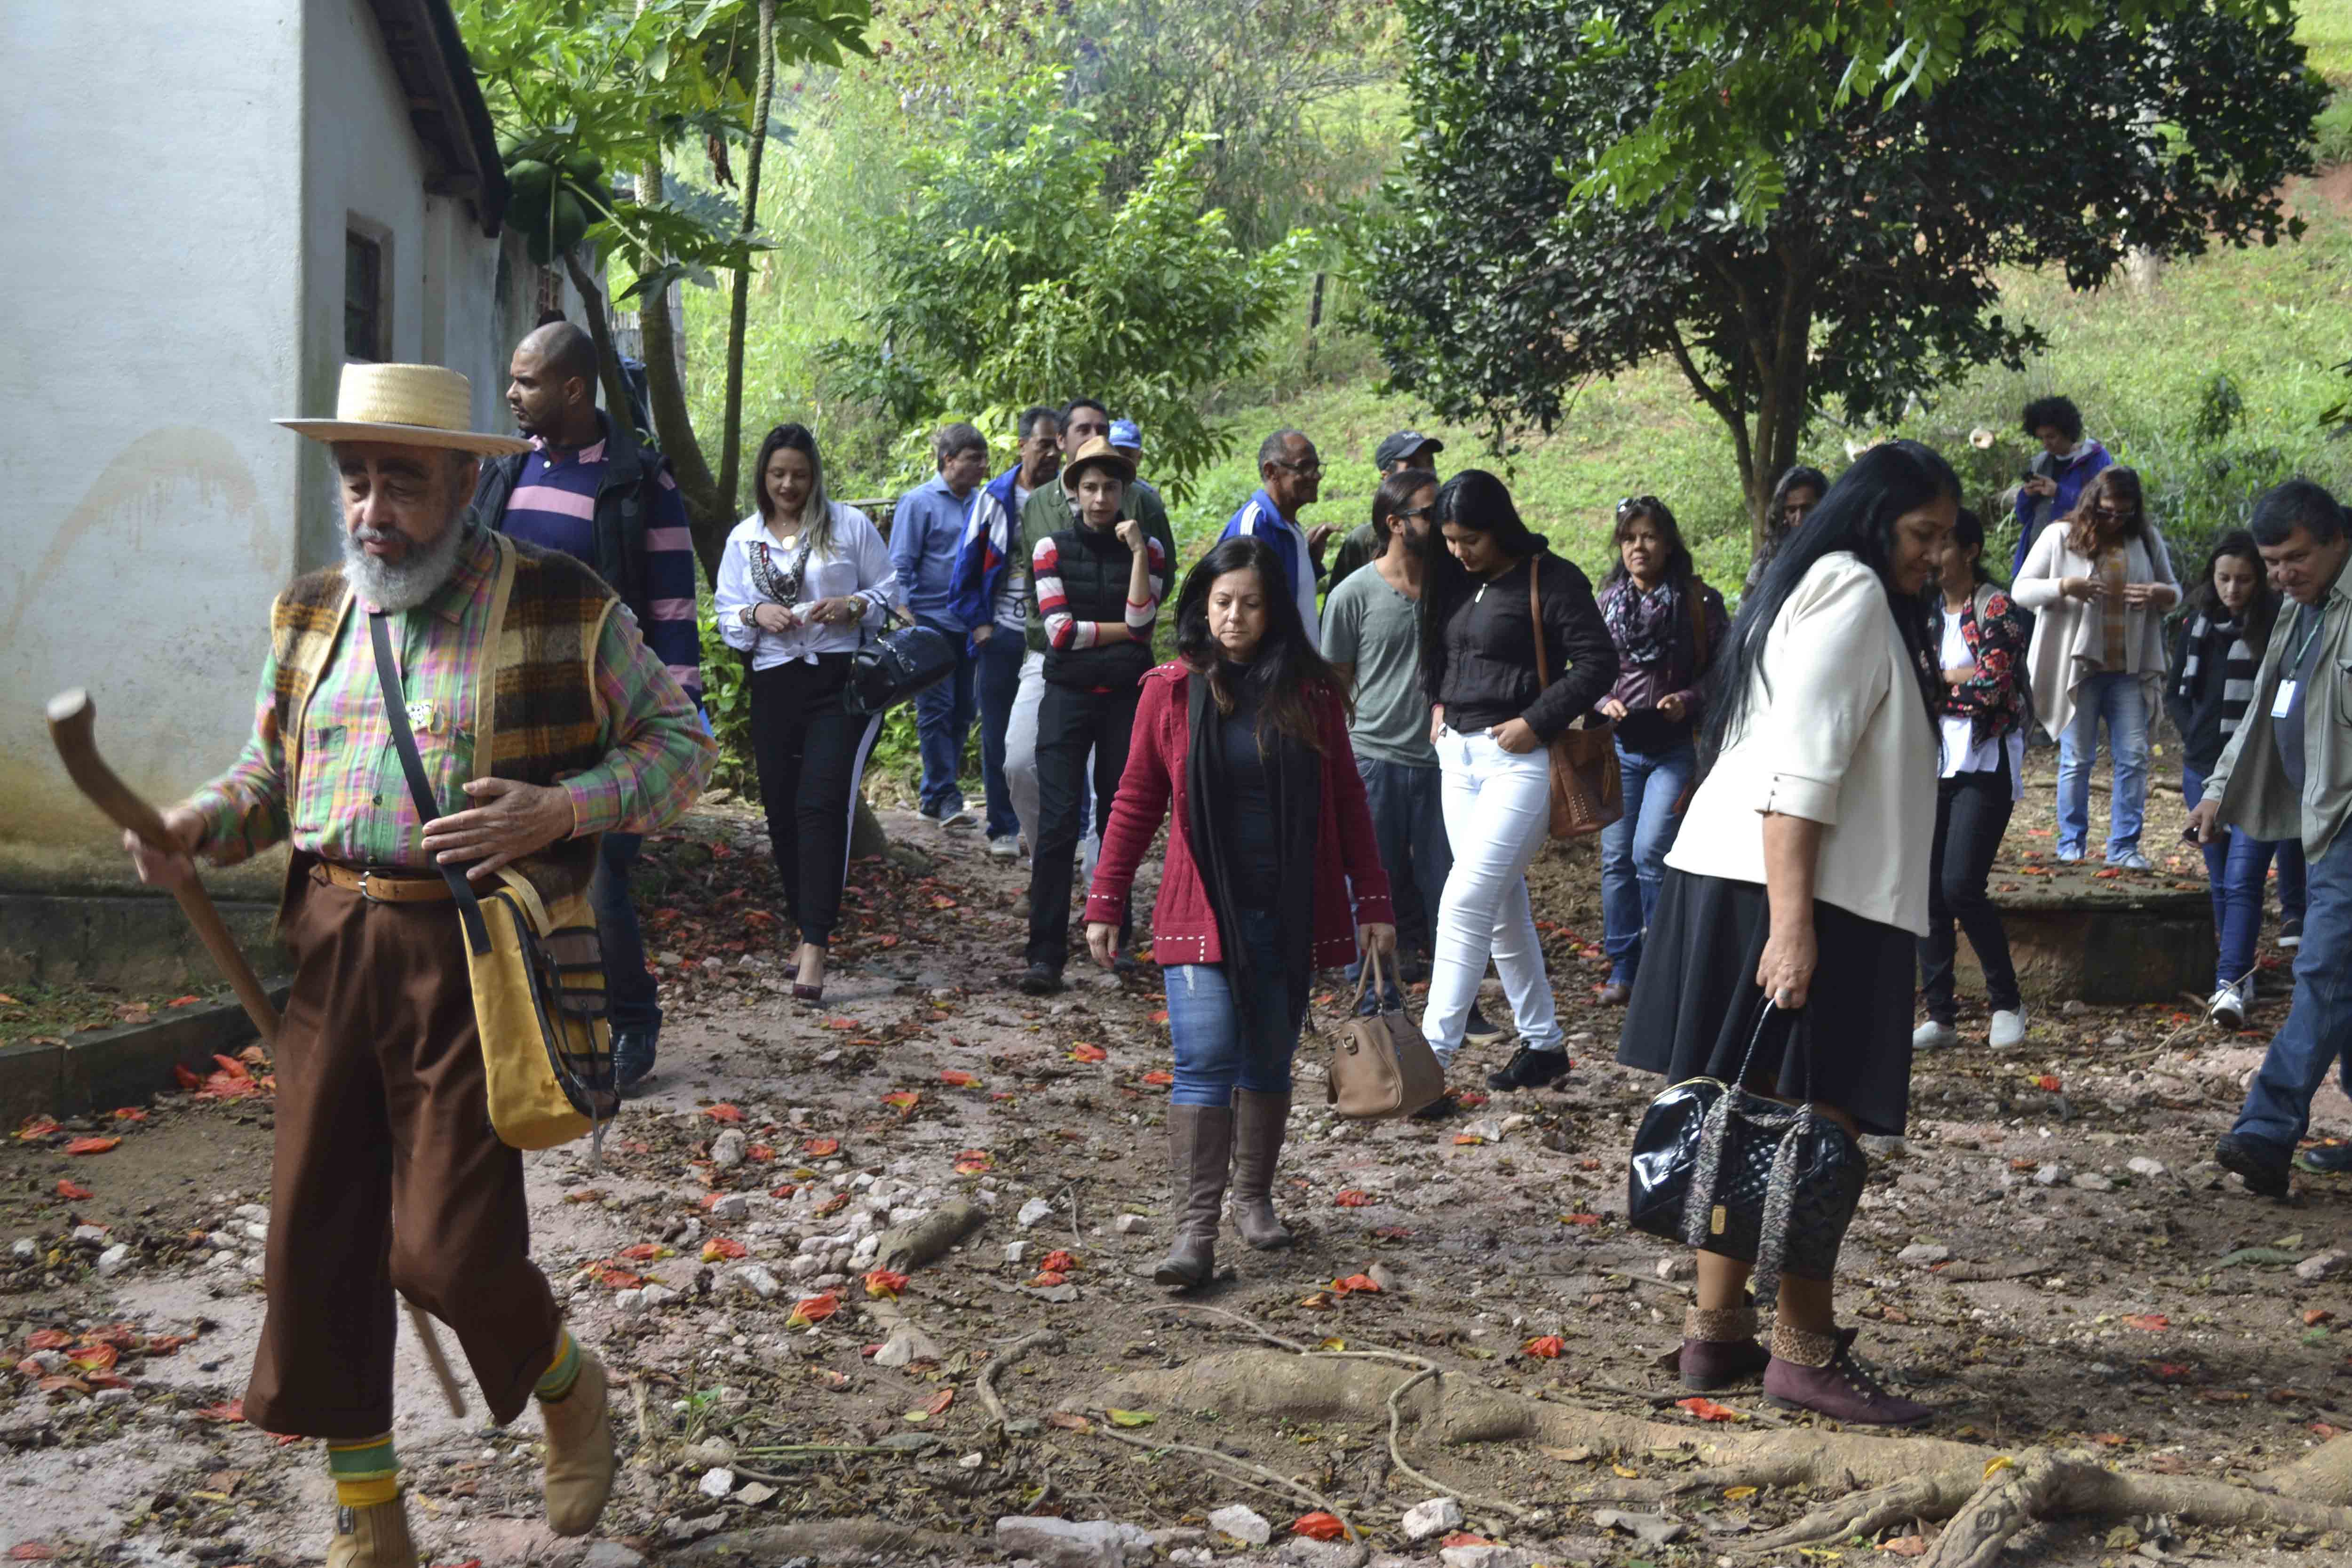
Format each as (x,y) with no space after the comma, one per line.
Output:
(1260,1120)
(1201,1152)
(580,1456)
(375,1536)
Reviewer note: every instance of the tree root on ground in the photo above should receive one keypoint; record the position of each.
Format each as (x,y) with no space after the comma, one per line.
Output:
(828,1541)
(1988,1494)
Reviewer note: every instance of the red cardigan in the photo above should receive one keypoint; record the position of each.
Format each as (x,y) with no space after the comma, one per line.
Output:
(1183,925)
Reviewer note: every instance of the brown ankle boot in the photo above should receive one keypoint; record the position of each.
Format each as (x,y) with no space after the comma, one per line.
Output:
(1201,1152)
(1819,1372)
(1260,1120)
(375,1536)
(580,1456)
(1719,1347)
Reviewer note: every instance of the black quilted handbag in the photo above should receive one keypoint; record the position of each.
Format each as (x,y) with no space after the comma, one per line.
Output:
(1720,1167)
(895,666)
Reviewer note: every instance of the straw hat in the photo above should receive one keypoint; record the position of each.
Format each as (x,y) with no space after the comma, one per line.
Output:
(1098,454)
(407,406)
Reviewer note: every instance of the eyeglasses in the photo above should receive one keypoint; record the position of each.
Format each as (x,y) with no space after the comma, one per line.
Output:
(2114,514)
(1638,503)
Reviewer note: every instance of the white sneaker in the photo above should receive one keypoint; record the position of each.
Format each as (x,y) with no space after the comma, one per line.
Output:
(2008,1030)
(2228,1009)
(1934,1037)
(1006,846)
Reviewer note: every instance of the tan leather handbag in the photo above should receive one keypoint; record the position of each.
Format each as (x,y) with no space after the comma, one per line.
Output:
(1380,1065)
(1587,794)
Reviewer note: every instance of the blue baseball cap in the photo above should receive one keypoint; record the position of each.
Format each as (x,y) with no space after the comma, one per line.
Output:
(1125,436)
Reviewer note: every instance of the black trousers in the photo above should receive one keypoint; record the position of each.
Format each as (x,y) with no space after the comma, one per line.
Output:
(809,751)
(1070,723)
(1972,814)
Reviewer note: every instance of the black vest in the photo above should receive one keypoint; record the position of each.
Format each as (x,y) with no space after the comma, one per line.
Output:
(1094,569)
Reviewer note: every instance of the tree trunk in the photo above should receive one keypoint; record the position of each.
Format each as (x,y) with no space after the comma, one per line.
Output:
(709,514)
(730,438)
(599,327)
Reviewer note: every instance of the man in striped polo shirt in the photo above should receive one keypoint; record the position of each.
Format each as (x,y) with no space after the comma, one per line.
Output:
(588,489)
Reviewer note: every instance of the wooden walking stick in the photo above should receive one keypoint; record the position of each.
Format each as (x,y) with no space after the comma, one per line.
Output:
(73,719)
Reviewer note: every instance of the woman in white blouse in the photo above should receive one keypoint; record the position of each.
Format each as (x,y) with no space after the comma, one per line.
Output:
(2099,583)
(1800,877)
(801,582)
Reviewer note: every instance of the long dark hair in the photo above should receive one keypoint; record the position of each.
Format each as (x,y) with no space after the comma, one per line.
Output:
(2262,613)
(816,512)
(1476,501)
(2115,485)
(1288,670)
(1856,517)
(1968,529)
(1637,509)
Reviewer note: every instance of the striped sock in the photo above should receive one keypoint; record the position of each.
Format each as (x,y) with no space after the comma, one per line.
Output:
(561,1373)
(366,1472)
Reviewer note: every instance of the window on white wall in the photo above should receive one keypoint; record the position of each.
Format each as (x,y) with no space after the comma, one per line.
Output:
(367,313)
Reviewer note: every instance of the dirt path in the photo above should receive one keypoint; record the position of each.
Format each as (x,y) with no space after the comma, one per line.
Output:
(2052,1294)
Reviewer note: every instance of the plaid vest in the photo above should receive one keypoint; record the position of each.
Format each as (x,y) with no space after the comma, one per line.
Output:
(542,718)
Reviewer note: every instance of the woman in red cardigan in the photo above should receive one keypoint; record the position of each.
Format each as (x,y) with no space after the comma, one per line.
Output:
(1245,736)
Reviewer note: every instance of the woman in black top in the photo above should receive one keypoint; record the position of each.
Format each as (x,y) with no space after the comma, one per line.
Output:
(1492,717)
(1098,586)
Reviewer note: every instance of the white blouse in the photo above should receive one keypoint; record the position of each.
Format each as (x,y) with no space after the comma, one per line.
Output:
(857,564)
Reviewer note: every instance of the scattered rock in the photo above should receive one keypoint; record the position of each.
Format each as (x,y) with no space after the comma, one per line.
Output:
(1435,1517)
(1880,1146)
(23,1246)
(2319,1266)
(2092,1182)
(1060,1543)
(113,1260)
(758,1282)
(1677,1265)
(1033,1213)
(2074,1009)
(1382,1275)
(611,1554)
(1299,1551)
(1650,1528)
(658,1295)
(734,1205)
(1487,1556)
(716,1483)
(2141,1165)
(726,1150)
(1245,1525)
(1924,1252)
(2050,1175)
(757,1493)
(629,1303)
(906,1344)
(1129,1224)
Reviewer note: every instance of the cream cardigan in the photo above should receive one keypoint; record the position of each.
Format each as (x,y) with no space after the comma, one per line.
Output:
(2067,633)
(1836,732)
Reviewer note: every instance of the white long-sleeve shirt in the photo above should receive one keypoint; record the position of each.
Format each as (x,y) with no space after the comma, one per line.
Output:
(857,564)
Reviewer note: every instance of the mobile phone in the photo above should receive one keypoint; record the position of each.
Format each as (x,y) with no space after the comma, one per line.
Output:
(2027,472)
(2189,834)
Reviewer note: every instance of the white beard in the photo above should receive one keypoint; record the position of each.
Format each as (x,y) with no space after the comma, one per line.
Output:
(395,588)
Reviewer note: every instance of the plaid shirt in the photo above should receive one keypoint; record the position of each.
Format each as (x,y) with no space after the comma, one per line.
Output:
(352,801)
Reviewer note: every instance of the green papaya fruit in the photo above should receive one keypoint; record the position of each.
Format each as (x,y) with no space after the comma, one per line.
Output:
(532,175)
(584,169)
(571,220)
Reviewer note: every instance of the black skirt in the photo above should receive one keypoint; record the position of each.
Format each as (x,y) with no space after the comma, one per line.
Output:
(1696,1001)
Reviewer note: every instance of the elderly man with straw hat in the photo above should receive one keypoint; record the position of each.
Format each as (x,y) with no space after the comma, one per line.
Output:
(387,1175)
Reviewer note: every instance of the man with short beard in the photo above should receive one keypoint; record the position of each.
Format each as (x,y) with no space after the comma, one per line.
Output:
(382,1110)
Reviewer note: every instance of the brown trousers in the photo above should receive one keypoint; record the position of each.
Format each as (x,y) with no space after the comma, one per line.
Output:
(387,1175)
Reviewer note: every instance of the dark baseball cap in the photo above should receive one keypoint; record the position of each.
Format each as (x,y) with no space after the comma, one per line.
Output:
(1403,445)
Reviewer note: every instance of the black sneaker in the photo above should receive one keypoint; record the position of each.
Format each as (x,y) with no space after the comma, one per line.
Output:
(2326,1159)
(2290,931)
(1476,1031)
(1530,1068)
(633,1058)
(1040,980)
(2264,1165)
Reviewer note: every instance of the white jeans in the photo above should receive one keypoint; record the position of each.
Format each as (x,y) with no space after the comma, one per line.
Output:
(1021,762)
(1497,815)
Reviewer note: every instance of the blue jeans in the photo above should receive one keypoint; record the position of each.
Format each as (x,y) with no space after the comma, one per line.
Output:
(1633,850)
(2120,700)
(628,985)
(2237,866)
(999,678)
(1224,1041)
(1408,806)
(2317,1033)
(942,723)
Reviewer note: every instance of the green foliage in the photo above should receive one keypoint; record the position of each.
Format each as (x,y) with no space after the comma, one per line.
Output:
(1499,286)
(1014,277)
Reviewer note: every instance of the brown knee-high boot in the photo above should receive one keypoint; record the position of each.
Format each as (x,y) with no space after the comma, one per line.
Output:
(1200,1151)
(1260,1120)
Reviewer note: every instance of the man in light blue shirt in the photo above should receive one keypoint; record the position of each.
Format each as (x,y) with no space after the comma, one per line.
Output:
(1292,478)
(926,544)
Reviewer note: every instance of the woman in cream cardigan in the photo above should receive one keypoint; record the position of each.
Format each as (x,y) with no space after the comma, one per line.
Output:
(1800,877)
(2098,587)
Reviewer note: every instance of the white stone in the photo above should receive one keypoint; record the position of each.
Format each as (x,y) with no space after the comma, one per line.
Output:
(1061,1543)
(658,1295)
(864,1253)
(1677,1265)
(1245,1525)
(222,1239)
(90,1233)
(113,1260)
(1129,1224)
(257,1232)
(1033,1213)
(734,1205)
(253,1212)
(726,1150)
(253,1265)
(629,1303)
(758,1281)
(906,1214)
(2319,1266)
(611,1554)
(23,1246)
(1924,1252)
(716,1483)
(805,1267)
(1016,1251)
(1435,1517)
(2092,1182)
(2141,1165)
(2050,1175)
(113,1396)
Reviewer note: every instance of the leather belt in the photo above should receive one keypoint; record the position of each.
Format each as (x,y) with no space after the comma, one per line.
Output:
(386,886)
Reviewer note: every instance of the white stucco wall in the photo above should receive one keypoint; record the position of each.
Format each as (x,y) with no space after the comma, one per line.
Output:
(177,240)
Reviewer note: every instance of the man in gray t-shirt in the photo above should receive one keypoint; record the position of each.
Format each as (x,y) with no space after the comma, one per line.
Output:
(1371,633)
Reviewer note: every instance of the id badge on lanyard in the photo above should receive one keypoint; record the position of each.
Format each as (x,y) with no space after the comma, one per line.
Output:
(2283,702)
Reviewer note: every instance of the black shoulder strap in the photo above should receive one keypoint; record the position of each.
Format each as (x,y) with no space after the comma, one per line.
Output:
(420,788)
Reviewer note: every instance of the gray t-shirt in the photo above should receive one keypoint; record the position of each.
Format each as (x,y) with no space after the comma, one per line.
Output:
(2301,632)
(1369,625)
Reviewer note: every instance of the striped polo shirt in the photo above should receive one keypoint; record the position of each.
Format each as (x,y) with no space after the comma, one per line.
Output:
(554,506)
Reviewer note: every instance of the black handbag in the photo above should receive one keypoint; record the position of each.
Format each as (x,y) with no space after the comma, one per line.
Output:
(1717,1166)
(891,668)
